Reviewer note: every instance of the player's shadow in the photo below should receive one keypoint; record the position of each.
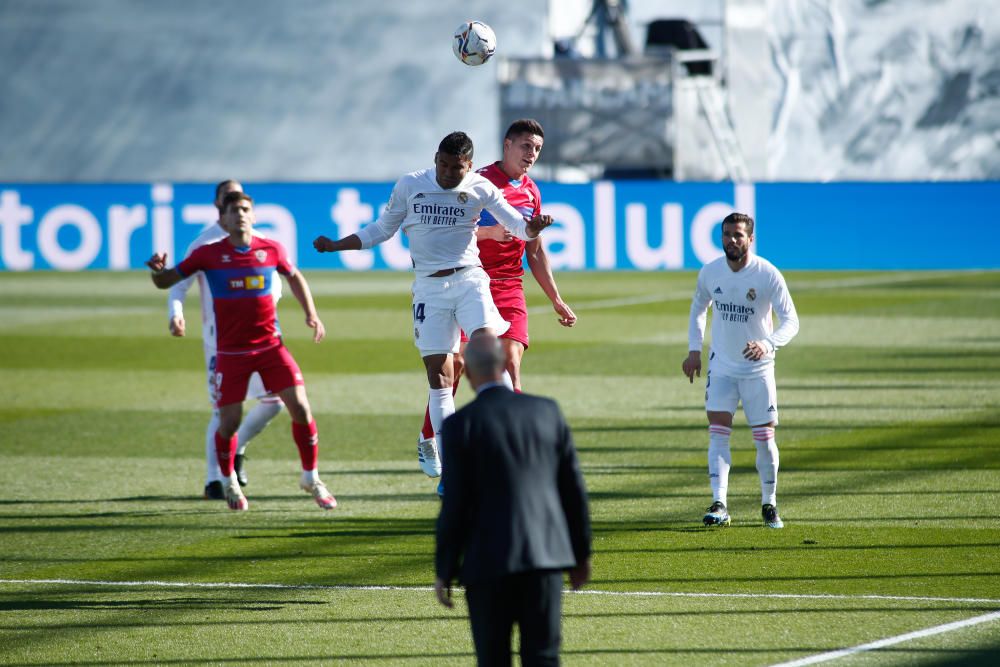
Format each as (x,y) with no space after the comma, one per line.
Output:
(626,428)
(244,659)
(207,603)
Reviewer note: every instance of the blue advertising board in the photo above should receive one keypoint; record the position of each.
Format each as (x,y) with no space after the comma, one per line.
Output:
(605,225)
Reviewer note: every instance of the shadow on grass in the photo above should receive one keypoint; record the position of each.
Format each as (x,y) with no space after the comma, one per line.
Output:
(895,548)
(819,577)
(388,618)
(206,603)
(961,656)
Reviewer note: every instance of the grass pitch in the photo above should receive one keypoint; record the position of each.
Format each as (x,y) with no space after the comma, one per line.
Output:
(889,484)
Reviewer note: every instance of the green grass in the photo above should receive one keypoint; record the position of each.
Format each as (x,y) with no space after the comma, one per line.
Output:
(890,459)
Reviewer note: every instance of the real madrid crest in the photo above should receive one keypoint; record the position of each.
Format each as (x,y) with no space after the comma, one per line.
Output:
(751,294)
(261,255)
(462,197)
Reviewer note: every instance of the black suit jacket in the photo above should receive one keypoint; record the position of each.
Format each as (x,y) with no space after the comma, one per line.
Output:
(514,498)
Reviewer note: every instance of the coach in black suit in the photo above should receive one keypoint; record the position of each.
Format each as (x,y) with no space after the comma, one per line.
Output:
(514,513)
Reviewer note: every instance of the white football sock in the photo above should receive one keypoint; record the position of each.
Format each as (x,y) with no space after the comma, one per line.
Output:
(212,472)
(310,476)
(507,382)
(441,404)
(719,461)
(255,421)
(767,464)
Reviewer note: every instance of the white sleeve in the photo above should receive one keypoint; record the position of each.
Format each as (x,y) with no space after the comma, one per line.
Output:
(176,296)
(388,223)
(506,215)
(177,293)
(699,314)
(784,308)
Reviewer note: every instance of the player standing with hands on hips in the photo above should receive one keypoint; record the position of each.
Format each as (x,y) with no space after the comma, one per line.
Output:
(239,270)
(742,289)
(437,209)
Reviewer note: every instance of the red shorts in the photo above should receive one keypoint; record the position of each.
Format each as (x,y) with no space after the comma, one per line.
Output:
(508,296)
(276,366)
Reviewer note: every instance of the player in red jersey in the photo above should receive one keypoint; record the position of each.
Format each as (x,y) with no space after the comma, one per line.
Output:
(501,255)
(239,271)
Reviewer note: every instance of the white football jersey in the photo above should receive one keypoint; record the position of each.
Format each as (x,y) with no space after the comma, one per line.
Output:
(177,294)
(440,223)
(742,303)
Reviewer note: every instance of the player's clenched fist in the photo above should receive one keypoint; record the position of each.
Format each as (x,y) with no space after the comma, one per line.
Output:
(324,244)
(157,263)
(538,223)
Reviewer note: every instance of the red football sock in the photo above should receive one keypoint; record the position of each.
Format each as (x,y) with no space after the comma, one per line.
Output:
(427,431)
(225,452)
(307,440)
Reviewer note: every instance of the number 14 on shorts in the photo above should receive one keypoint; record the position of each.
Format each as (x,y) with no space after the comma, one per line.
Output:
(418,312)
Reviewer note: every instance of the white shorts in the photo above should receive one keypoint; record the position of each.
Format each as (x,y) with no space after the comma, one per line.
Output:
(255,389)
(758,395)
(443,306)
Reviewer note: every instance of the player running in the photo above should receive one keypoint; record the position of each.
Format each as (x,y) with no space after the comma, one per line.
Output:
(501,255)
(268,405)
(742,289)
(239,271)
(437,209)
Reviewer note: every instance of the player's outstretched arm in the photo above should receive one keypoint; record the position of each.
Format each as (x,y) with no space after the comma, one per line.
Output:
(161,275)
(300,288)
(326,244)
(538,262)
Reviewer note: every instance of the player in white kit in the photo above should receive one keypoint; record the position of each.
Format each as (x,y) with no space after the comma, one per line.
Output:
(438,209)
(743,290)
(268,405)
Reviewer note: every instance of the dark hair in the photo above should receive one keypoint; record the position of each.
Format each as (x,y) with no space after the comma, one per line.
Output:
(222,184)
(457,143)
(524,126)
(737,218)
(234,197)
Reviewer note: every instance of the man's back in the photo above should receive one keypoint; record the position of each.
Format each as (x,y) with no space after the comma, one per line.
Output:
(514,497)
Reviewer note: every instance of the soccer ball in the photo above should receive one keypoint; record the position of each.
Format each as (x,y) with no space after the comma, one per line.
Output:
(474,42)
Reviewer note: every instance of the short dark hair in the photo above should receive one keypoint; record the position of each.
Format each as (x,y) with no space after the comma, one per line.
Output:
(737,218)
(222,184)
(234,197)
(457,143)
(524,126)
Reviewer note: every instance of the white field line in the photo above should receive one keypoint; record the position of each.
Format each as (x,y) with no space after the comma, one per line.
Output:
(675,295)
(889,641)
(350,587)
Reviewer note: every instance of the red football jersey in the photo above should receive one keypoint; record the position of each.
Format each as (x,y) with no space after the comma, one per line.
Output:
(504,260)
(240,281)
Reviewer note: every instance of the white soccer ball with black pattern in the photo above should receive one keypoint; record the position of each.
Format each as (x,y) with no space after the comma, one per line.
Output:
(474,42)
